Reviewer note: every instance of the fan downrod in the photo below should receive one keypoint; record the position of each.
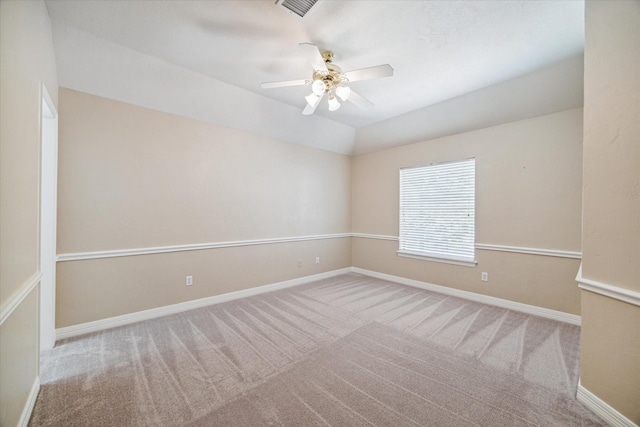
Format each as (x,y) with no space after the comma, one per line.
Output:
(327,56)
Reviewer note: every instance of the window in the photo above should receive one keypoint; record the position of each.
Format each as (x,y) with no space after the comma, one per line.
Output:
(437,211)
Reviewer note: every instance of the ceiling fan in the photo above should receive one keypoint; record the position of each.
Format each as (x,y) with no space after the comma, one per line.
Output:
(328,79)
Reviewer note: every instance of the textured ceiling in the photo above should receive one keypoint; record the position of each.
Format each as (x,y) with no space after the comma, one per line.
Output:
(439,49)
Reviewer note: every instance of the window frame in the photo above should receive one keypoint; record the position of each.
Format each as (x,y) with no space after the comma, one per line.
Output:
(458,259)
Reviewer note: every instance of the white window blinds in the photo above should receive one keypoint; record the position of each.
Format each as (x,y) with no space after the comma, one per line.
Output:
(437,211)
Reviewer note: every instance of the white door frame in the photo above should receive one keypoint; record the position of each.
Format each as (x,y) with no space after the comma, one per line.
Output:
(48,208)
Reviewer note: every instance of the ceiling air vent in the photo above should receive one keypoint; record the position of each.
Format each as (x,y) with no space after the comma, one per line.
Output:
(299,7)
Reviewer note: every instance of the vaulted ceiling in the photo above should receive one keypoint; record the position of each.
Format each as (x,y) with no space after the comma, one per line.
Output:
(458,64)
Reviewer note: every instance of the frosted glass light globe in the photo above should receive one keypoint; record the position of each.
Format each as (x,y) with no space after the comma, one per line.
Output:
(333,103)
(318,87)
(343,92)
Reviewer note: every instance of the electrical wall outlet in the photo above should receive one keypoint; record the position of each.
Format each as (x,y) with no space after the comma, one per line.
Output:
(189,281)
(317,260)
(299,263)
(485,276)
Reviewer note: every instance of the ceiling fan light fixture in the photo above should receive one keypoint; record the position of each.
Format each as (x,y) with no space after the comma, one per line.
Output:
(312,99)
(343,92)
(328,78)
(318,87)
(333,103)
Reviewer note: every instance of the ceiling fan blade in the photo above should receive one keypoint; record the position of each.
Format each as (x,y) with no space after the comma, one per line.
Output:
(361,102)
(270,85)
(314,56)
(309,109)
(370,73)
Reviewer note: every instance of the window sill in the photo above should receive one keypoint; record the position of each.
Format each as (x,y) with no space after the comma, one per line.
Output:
(434,259)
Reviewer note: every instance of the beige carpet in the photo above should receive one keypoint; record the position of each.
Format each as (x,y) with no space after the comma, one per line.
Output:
(349,350)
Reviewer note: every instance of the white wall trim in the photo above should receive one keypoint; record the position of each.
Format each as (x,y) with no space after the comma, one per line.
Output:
(48,213)
(30,403)
(530,251)
(620,294)
(14,300)
(217,245)
(485,299)
(193,247)
(602,409)
(375,236)
(125,319)
(489,247)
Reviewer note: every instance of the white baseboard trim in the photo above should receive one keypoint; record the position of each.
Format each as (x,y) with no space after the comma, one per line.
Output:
(30,404)
(125,319)
(615,292)
(602,409)
(485,299)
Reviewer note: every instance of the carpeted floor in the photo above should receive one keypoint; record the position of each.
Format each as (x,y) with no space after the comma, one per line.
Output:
(349,350)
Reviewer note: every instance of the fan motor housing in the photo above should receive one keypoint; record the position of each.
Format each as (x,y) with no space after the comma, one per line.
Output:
(333,77)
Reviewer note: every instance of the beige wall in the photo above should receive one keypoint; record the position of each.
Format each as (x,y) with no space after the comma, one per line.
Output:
(528,194)
(130,177)
(19,359)
(610,350)
(611,237)
(102,288)
(535,280)
(26,61)
(610,362)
